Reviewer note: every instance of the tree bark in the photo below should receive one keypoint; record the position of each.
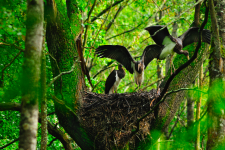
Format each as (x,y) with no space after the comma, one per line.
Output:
(216,117)
(220,5)
(44,131)
(190,107)
(220,9)
(198,111)
(197,14)
(31,75)
(60,34)
(190,98)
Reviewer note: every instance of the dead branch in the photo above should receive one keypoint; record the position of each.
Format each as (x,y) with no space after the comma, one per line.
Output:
(9,143)
(105,10)
(9,44)
(104,68)
(88,21)
(61,74)
(112,21)
(55,61)
(10,63)
(81,56)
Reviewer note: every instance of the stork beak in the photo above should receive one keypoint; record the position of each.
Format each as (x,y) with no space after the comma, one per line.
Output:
(188,57)
(139,65)
(146,28)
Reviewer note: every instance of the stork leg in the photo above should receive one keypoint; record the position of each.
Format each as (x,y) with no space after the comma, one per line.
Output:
(112,89)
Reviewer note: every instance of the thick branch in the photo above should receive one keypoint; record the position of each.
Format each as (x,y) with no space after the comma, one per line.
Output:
(189,61)
(82,61)
(159,99)
(197,15)
(10,106)
(9,143)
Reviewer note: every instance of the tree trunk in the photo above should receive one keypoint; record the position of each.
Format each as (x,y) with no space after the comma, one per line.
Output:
(190,107)
(60,34)
(216,117)
(220,5)
(198,111)
(190,98)
(44,121)
(31,75)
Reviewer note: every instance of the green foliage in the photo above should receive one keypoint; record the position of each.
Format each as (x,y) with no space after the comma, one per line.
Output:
(135,15)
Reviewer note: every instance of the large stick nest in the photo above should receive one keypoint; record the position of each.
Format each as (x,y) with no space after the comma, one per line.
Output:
(110,119)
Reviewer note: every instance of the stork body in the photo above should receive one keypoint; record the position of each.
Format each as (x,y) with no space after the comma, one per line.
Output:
(122,55)
(114,79)
(162,37)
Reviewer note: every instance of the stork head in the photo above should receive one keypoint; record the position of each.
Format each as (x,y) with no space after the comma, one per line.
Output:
(120,67)
(140,66)
(186,53)
(147,28)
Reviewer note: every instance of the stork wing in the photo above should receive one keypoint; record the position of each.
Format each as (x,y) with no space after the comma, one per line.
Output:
(110,81)
(158,37)
(118,53)
(192,35)
(151,52)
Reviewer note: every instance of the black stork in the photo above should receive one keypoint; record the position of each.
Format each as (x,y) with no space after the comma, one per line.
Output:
(114,80)
(122,55)
(170,44)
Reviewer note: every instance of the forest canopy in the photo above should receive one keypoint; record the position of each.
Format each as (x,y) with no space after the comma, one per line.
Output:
(52,82)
